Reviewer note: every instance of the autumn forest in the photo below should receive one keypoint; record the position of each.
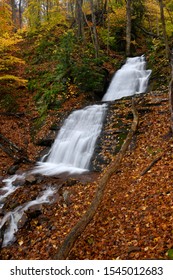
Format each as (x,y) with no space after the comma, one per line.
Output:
(60,56)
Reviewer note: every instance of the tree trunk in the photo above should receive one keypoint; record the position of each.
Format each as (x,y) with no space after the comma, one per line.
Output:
(164,29)
(20,14)
(108,31)
(79,18)
(102,182)
(94,29)
(128,27)
(13,9)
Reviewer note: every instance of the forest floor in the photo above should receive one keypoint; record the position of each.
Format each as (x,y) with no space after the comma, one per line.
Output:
(135,218)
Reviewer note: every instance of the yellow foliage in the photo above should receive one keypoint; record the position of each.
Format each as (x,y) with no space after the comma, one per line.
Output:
(5,17)
(9,41)
(152,9)
(11,78)
(72,90)
(86,8)
(152,17)
(9,61)
(8,45)
(118,17)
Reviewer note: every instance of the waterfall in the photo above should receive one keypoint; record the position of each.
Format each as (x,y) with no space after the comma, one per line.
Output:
(74,145)
(131,79)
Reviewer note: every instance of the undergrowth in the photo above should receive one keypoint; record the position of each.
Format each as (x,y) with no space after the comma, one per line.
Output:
(61,68)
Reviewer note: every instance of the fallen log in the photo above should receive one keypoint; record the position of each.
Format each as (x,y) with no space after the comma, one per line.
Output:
(17,115)
(7,151)
(4,141)
(12,150)
(77,230)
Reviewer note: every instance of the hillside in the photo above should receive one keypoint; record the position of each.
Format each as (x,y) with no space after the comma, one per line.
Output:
(134,220)
(59,56)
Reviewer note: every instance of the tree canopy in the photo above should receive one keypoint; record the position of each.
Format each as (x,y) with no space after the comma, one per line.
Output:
(83,38)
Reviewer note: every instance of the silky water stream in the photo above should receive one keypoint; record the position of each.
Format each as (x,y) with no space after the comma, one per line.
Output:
(74,146)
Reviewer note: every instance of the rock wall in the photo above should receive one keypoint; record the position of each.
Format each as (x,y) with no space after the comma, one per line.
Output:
(115,129)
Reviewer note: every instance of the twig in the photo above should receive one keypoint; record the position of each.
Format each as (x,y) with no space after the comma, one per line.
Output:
(150,165)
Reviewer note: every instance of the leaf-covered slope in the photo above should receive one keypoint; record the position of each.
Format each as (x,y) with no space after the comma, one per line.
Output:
(134,220)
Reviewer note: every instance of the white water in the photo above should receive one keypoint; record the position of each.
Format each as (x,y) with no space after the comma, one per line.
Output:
(13,217)
(9,187)
(75,143)
(131,79)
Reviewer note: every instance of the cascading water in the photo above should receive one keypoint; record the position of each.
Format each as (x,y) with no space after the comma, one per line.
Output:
(75,143)
(132,78)
(13,217)
(9,188)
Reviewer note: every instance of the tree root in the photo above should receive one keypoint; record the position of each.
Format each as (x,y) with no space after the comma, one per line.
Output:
(77,230)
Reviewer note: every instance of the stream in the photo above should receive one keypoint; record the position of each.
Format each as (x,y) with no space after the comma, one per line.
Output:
(74,145)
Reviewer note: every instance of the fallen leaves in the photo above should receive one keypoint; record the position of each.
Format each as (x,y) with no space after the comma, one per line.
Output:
(135,218)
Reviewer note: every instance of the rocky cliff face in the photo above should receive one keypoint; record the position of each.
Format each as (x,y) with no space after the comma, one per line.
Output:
(115,129)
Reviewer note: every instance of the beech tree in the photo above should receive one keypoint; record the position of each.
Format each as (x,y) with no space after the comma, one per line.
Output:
(164,28)
(128,27)
(94,29)
(79,18)
(13,8)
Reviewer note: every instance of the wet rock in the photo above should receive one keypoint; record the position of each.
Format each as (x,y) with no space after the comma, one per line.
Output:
(45,142)
(12,169)
(48,140)
(30,179)
(55,127)
(40,179)
(34,213)
(19,182)
(1,211)
(70,182)
(1,183)
(66,197)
